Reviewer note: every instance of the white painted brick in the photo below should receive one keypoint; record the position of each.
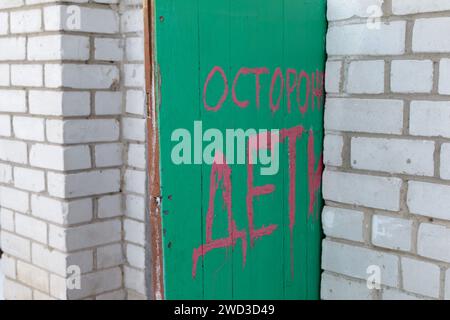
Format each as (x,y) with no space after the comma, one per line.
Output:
(29,179)
(135,207)
(5,173)
(58,47)
(339,288)
(135,181)
(433,242)
(430,35)
(343,223)
(345,9)
(109,256)
(14,199)
(394,294)
(445,161)
(4,74)
(134,75)
(58,18)
(393,155)
(59,157)
(32,276)
(410,76)
(133,129)
(429,199)
(8,266)
(332,150)
(132,21)
(401,7)
(15,246)
(29,75)
(14,290)
(31,228)
(353,261)
(358,39)
(364,115)
(136,156)
(12,101)
(333,76)
(82,131)
(135,102)
(110,206)
(366,77)
(81,76)
(84,236)
(84,183)
(16,48)
(28,128)
(107,103)
(135,280)
(39,296)
(4,27)
(108,155)
(421,277)
(447,285)
(7,219)
(392,233)
(379,192)
(429,118)
(135,256)
(26,21)
(109,49)
(13,151)
(114,295)
(58,262)
(61,212)
(59,103)
(444,76)
(134,231)
(5,125)
(135,49)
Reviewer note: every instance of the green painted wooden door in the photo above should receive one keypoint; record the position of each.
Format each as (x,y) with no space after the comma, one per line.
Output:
(240,230)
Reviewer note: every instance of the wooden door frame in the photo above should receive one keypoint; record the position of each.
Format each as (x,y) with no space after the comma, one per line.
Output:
(153,160)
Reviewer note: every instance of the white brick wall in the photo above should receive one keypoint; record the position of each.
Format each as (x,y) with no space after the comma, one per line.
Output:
(72,149)
(387,150)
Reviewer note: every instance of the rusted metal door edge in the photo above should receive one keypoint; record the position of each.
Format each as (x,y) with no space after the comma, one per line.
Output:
(153,165)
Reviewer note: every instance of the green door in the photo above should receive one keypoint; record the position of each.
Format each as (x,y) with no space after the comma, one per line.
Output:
(240,112)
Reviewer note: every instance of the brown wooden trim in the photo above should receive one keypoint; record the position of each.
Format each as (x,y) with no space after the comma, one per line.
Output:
(153,165)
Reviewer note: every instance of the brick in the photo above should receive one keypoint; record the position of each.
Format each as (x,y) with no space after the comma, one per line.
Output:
(8,266)
(364,115)
(31,228)
(108,155)
(402,7)
(84,183)
(358,39)
(108,103)
(135,49)
(26,21)
(135,102)
(12,101)
(85,236)
(32,276)
(28,128)
(421,277)
(430,35)
(58,103)
(379,192)
(366,77)
(429,199)
(61,212)
(433,242)
(135,181)
(444,76)
(110,206)
(394,294)
(332,151)
(6,173)
(411,76)
(345,9)
(59,157)
(134,75)
(4,72)
(109,49)
(393,155)
(135,280)
(114,295)
(447,285)
(353,261)
(445,161)
(82,131)
(136,156)
(4,26)
(58,47)
(135,207)
(29,179)
(5,125)
(16,291)
(132,21)
(343,223)
(392,233)
(81,76)
(134,231)
(16,48)
(135,256)
(15,246)
(109,256)
(429,118)
(14,199)
(7,219)
(133,129)
(339,288)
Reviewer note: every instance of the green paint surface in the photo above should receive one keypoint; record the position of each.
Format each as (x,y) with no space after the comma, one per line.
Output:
(193,37)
